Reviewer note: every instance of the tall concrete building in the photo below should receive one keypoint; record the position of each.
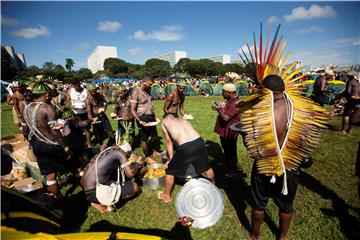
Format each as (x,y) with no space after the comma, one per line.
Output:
(173,57)
(16,60)
(97,57)
(224,59)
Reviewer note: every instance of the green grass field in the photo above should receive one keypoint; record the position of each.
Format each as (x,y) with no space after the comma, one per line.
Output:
(326,206)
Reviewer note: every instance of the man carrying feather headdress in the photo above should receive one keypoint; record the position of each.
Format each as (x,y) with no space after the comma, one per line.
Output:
(280,129)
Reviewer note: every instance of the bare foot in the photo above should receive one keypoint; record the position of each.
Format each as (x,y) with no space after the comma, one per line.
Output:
(164,197)
(99,207)
(343,133)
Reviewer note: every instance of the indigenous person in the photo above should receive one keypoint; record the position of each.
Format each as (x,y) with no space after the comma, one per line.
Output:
(18,101)
(74,140)
(45,141)
(280,128)
(104,171)
(190,159)
(143,111)
(95,107)
(228,115)
(320,85)
(352,106)
(77,96)
(123,113)
(174,102)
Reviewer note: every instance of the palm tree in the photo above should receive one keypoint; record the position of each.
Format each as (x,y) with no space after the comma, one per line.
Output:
(69,64)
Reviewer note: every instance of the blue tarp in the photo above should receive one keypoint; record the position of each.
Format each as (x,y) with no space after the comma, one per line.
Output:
(112,80)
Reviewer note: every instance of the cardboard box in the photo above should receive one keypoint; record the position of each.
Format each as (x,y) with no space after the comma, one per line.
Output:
(28,185)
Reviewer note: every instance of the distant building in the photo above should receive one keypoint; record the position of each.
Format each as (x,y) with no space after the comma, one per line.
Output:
(98,55)
(16,60)
(237,61)
(173,57)
(224,59)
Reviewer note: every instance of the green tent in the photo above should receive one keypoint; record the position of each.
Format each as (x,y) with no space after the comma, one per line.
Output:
(218,88)
(190,90)
(157,92)
(206,87)
(241,88)
(169,88)
(306,87)
(336,87)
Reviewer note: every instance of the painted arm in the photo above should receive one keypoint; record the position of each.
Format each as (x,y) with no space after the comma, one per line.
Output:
(89,109)
(133,106)
(51,116)
(167,102)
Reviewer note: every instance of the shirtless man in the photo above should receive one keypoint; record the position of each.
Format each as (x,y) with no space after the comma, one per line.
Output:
(143,111)
(174,102)
(108,163)
(18,100)
(95,107)
(191,157)
(122,111)
(46,142)
(320,85)
(352,106)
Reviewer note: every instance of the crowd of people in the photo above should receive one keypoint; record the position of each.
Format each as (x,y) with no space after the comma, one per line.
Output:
(62,127)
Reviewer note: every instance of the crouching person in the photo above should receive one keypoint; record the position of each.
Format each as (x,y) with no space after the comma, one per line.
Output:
(107,178)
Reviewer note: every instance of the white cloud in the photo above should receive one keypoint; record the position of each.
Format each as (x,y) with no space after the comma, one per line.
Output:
(82,46)
(312,29)
(315,11)
(32,32)
(134,51)
(272,20)
(323,57)
(351,41)
(8,21)
(109,26)
(166,33)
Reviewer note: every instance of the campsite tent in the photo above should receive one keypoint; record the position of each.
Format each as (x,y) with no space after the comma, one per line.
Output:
(218,88)
(157,92)
(190,90)
(306,87)
(169,88)
(336,87)
(241,88)
(206,87)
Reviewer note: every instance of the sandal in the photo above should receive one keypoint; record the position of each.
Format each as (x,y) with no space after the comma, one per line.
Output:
(159,196)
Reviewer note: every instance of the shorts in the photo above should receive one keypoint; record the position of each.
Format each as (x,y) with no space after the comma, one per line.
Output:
(262,189)
(50,158)
(319,99)
(126,190)
(147,132)
(190,160)
(351,105)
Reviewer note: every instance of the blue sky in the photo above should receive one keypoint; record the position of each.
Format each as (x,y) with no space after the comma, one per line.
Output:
(316,32)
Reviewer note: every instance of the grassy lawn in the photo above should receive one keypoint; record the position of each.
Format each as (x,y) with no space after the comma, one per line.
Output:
(326,204)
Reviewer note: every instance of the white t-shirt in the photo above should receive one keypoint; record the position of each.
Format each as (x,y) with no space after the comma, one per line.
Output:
(78,100)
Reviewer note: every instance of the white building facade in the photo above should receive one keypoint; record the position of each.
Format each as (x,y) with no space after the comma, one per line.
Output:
(98,55)
(173,57)
(224,59)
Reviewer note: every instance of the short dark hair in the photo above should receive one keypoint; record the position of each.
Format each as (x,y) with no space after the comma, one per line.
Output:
(148,78)
(274,82)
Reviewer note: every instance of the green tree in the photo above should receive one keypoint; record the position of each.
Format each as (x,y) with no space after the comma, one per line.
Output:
(31,71)
(115,65)
(233,67)
(181,65)
(196,68)
(69,64)
(157,68)
(84,74)
(58,73)
(48,66)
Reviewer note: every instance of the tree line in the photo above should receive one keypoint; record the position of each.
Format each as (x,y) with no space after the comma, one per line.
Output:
(118,68)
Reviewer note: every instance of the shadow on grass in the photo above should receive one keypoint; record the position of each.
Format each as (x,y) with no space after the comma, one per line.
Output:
(236,188)
(350,225)
(75,211)
(177,232)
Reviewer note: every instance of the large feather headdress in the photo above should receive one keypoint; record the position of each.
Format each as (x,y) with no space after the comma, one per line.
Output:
(305,118)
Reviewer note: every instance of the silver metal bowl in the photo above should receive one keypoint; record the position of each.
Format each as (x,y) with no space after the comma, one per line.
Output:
(152,183)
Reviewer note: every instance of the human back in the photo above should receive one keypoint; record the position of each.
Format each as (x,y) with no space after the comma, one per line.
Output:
(180,130)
